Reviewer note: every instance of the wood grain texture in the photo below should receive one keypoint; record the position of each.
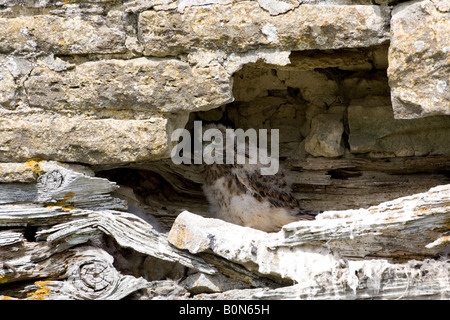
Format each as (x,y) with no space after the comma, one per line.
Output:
(87,246)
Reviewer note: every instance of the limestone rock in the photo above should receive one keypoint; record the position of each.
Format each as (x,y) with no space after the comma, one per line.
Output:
(374,130)
(278,6)
(91,92)
(203,283)
(77,139)
(245,26)
(161,290)
(325,138)
(104,112)
(419,67)
(61,35)
(343,59)
(252,83)
(182,4)
(17,172)
(8,87)
(141,84)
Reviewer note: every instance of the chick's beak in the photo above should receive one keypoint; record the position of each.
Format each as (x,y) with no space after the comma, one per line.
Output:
(208,148)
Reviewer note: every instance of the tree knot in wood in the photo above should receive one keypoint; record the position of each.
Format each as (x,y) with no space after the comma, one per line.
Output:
(51,180)
(95,277)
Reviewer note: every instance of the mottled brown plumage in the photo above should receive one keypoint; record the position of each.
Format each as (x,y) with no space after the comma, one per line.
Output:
(240,194)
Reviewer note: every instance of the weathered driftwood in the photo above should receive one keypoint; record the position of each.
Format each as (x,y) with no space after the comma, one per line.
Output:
(129,231)
(57,220)
(88,271)
(335,245)
(373,279)
(57,185)
(319,183)
(399,229)
(52,246)
(51,256)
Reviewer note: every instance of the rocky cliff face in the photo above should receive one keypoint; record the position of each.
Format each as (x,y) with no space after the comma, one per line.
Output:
(91,92)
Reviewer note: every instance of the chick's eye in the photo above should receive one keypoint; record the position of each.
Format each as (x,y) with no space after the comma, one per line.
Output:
(217,140)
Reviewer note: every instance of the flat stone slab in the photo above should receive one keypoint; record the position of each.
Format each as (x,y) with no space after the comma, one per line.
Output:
(419,59)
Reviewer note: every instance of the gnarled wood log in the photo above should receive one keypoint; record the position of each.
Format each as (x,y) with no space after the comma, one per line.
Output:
(54,246)
(323,255)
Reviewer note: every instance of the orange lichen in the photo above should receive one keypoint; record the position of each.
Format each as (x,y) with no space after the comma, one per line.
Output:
(421,211)
(33,163)
(63,203)
(41,292)
(67,208)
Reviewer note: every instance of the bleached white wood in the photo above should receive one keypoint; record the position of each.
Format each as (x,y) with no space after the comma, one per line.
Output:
(9,237)
(54,184)
(68,205)
(376,252)
(90,275)
(330,251)
(129,231)
(26,214)
(397,229)
(428,279)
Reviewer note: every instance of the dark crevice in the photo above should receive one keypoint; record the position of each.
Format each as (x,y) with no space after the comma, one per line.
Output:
(30,233)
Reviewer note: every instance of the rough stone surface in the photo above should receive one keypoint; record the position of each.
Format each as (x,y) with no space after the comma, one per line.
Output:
(203,283)
(61,35)
(314,254)
(246,26)
(419,59)
(77,139)
(360,233)
(277,7)
(8,87)
(374,130)
(325,137)
(142,84)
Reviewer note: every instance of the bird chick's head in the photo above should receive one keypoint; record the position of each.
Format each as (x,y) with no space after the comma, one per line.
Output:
(213,146)
(240,148)
(216,140)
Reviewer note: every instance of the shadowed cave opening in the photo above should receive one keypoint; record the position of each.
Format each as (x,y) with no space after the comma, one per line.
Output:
(339,142)
(333,159)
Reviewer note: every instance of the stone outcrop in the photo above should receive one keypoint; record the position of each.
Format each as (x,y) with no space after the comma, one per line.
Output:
(376,131)
(246,26)
(419,72)
(62,35)
(91,93)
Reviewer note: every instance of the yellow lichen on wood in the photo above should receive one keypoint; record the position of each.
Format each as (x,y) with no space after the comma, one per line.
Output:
(421,210)
(63,203)
(41,292)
